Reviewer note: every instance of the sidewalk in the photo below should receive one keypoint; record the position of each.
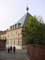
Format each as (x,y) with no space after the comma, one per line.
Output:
(20,55)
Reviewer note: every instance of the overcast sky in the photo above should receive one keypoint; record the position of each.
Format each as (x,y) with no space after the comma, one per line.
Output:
(12,10)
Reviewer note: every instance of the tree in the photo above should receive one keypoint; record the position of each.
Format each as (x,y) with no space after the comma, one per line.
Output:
(34,31)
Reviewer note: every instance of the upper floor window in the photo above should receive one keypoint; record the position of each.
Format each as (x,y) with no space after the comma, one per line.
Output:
(19,24)
(16,25)
(11,27)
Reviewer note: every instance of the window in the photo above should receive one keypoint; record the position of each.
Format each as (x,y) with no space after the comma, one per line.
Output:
(11,27)
(15,25)
(7,42)
(19,24)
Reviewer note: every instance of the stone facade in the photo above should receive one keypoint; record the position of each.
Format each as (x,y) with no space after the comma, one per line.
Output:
(14,38)
(14,35)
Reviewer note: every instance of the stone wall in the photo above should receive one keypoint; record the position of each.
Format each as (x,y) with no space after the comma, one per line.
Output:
(2,44)
(36,52)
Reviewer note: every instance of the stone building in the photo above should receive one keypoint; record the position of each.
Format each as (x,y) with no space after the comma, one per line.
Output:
(2,40)
(14,35)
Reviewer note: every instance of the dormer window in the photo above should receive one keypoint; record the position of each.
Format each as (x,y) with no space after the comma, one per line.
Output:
(19,24)
(11,27)
(15,25)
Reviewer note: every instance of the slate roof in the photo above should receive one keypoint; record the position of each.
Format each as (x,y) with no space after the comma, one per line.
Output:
(23,21)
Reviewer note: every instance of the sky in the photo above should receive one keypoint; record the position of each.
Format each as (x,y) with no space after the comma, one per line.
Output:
(12,10)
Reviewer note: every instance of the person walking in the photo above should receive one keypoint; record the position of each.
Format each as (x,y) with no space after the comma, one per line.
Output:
(14,49)
(8,50)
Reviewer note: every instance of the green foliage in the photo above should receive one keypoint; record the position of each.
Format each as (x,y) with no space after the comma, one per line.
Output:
(35,31)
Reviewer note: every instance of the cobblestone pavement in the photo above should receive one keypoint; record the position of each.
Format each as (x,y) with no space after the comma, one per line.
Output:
(19,55)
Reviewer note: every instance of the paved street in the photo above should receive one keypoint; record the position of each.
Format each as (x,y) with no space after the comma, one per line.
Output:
(20,55)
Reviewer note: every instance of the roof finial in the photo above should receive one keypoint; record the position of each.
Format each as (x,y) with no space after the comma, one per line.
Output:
(27,8)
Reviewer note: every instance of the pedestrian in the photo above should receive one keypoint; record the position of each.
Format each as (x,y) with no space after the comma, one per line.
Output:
(11,48)
(14,49)
(8,50)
